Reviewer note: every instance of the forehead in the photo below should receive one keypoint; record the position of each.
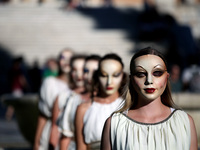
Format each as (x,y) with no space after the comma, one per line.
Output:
(91,63)
(78,62)
(110,65)
(149,61)
(67,53)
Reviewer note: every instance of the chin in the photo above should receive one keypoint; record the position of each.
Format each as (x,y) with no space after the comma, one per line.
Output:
(80,84)
(110,92)
(150,97)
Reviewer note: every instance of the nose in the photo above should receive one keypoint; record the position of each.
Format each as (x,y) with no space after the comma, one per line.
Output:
(149,80)
(109,81)
(80,74)
(89,76)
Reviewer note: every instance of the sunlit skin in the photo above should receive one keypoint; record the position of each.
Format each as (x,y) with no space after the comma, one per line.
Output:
(110,76)
(149,77)
(77,72)
(65,61)
(89,68)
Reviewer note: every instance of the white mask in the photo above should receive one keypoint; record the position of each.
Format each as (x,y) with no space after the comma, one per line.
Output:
(77,72)
(65,61)
(149,76)
(89,68)
(111,75)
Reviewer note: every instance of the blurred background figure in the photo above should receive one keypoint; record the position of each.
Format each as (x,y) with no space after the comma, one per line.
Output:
(35,77)
(191,75)
(175,79)
(67,100)
(18,77)
(66,121)
(50,68)
(50,88)
(18,82)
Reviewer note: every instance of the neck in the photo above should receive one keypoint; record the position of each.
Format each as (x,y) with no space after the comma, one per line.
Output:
(64,77)
(79,90)
(154,106)
(108,98)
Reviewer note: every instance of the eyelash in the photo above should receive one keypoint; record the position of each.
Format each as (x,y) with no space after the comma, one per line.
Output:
(143,74)
(115,75)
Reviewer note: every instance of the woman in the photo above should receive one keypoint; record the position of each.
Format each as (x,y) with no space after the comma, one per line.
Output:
(90,116)
(50,88)
(149,119)
(71,100)
(76,87)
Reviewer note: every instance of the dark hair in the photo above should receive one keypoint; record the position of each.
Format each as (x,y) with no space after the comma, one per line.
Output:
(130,95)
(92,57)
(96,82)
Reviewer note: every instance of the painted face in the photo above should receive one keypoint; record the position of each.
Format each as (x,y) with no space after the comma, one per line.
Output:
(89,68)
(77,72)
(65,61)
(110,76)
(150,76)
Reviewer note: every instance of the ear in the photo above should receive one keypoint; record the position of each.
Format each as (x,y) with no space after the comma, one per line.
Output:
(168,75)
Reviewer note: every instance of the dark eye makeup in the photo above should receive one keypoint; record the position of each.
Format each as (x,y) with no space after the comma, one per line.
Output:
(156,73)
(140,74)
(114,75)
(86,70)
(117,74)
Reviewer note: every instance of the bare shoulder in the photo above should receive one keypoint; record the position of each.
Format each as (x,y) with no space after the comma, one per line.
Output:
(194,143)
(83,107)
(191,119)
(106,137)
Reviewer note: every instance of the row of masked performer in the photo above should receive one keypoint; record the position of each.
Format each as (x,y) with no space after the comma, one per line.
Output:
(93,104)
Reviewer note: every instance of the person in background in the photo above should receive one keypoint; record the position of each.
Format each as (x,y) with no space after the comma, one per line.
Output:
(191,75)
(67,110)
(90,116)
(19,84)
(149,118)
(51,68)
(175,79)
(76,88)
(50,88)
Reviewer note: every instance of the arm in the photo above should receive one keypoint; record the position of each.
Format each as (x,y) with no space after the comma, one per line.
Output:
(54,134)
(40,125)
(194,145)
(81,145)
(105,139)
(64,142)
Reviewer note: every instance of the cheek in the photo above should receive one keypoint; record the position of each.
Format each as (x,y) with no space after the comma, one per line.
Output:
(161,83)
(139,83)
(74,75)
(103,81)
(117,81)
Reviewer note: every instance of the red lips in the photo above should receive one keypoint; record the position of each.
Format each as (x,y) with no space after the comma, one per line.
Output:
(150,90)
(109,88)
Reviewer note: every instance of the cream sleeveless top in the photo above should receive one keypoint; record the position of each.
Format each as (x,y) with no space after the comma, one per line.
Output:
(173,133)
(66,119)
(95,118)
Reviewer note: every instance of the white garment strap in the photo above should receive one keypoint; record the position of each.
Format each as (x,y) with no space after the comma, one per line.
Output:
(172,109)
